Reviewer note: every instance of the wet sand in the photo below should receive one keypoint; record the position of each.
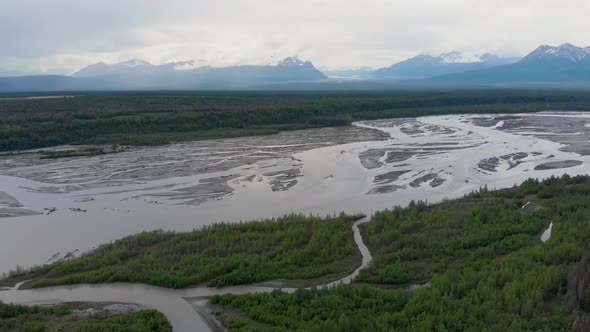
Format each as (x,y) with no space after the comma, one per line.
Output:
(558,165)
(11,207)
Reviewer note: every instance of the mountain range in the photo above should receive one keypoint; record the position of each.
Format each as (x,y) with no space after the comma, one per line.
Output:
(546,64)
(425,66)
(564,63)
(138,74)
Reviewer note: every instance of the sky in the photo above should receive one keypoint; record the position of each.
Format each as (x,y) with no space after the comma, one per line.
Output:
(61,36)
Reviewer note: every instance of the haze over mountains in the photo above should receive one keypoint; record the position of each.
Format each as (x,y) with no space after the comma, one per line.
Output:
(289,69)
(546,64)
(425,66)
(564,63)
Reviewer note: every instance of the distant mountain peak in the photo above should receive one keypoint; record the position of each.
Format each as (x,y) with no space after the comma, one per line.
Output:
(423,66)
(101,68)
(137,73)
(184,65)
(452,57)
(489,57)
(135,62)
(547,63)
(293,61)
(459,57)
(564,51)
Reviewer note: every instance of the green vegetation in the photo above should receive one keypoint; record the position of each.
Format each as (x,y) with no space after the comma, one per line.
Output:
(61,318)
(343,308)
(148,119)
(292,247)
(481,256)
(487,268)
(412,244)
(145,320)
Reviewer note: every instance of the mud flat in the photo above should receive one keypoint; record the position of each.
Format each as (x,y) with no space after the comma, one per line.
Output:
(432,179)
(385,189)
(389,176)
(175,160)
(568,128)
(558,165)
(11,207)
(492,164)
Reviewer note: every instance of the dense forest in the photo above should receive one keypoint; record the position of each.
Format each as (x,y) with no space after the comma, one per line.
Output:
(150,118)
(290,248)
(486,268)
(412,244)
(62,318)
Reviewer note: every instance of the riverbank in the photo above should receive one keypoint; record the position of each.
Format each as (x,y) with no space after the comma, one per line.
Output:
(297,250)
(186,309)
(497,235)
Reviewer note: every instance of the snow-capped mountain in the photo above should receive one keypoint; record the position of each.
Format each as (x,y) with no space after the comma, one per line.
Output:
(546,64)
(424,66)
(567,52)
(141,67)
(564,63)
(293,61)
(136,74)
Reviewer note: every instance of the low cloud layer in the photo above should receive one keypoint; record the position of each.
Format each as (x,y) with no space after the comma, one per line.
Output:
(60,36)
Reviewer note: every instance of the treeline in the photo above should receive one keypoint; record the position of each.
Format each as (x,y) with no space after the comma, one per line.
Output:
(147,119)
(61,318)
(507,281)
(293,247)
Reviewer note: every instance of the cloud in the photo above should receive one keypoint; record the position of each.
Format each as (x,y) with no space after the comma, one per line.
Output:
(59,36)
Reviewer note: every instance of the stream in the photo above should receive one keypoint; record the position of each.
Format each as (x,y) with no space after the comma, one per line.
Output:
(184,308)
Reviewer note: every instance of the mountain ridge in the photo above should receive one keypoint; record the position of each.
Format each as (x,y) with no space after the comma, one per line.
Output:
(136,74)
(563,63)
(426,66)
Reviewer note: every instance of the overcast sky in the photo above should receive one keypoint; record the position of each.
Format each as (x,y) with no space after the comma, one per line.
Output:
(60,36)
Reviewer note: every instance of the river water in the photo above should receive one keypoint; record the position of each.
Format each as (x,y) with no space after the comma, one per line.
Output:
(53,208)
(185,309)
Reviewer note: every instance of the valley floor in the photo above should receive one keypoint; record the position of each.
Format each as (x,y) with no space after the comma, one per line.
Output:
(512,259)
